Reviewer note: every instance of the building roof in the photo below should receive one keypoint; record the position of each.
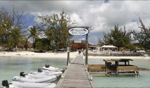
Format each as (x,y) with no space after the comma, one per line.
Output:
(118,60)
(94,46)
(108,46)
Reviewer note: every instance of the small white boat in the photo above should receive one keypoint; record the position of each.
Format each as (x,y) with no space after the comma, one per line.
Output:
(35,76)
(51,68)
(32,76)
(47,73)
(15,84)
(33,80)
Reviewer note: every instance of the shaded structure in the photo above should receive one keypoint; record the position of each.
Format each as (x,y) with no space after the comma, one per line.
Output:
(109,47)
(119,66)
(115,66)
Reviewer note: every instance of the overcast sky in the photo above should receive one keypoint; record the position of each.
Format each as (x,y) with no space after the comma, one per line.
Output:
(100,15)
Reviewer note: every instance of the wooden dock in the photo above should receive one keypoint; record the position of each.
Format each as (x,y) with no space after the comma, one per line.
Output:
(76,75)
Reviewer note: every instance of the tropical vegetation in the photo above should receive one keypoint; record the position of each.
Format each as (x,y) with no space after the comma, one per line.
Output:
(52,33)
(10,29)
(117,37)
(143,36)
(122,39)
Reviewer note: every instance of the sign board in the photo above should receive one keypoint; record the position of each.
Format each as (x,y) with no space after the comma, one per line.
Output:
(78,31)
(78,41)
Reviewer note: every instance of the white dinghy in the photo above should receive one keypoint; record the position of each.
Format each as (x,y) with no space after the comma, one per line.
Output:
(32,80)
(32,76)
(46,72)
(36,75)
(15,84)
(51,68)
(49,73)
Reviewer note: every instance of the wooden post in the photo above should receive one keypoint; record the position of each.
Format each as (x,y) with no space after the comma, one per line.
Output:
(86,57)
(68,52)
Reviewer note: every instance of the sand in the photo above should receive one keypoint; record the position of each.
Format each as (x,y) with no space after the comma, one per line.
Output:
(62,55)
(33,54)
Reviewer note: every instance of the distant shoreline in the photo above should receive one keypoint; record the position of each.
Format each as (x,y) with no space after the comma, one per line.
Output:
(119,57)
(62,55)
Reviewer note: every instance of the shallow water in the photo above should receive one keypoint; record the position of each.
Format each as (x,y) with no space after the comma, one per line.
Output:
(10,66)
(142,81)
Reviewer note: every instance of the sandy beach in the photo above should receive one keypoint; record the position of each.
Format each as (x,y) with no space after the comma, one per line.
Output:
(33,54)
(62,55)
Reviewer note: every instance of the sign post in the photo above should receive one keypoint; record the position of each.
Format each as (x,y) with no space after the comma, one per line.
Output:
(68,55)
(79,30)
(86,57)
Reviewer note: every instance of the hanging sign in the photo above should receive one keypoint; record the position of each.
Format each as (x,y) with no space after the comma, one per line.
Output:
(78,31)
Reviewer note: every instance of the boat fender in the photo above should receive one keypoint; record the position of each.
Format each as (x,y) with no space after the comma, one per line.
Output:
(47,65)
(5,83)
(22,74)
(39,70)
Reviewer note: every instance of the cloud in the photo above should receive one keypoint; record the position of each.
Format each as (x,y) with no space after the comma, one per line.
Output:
(93,40)
(100,16)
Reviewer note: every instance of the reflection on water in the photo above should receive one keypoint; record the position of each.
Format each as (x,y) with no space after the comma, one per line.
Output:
(142,81)
(10,67)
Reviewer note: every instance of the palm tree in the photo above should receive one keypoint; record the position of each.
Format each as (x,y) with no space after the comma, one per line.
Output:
(33,34)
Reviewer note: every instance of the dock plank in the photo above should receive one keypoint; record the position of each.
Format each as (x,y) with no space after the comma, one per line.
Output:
(76,75)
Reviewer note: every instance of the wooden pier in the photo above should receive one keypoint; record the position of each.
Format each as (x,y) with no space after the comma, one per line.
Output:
(76,75)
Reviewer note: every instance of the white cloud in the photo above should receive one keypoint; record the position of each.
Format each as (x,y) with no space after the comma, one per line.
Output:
(93,40)
(96,14)
(75,17)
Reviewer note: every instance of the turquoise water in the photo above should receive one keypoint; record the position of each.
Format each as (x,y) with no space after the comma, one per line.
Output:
(142,81)
(10,67)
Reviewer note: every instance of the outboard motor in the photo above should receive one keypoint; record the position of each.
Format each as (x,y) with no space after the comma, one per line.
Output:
(47,65)
(79,51)
(39,70)
(22,74)
(5,83)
